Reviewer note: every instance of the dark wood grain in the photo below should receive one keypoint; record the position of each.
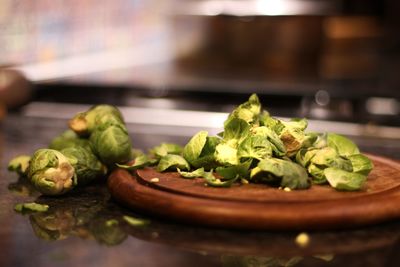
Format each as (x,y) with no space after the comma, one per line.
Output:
(257,206)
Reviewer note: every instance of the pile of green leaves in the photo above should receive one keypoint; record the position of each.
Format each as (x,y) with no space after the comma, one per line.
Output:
(256,147)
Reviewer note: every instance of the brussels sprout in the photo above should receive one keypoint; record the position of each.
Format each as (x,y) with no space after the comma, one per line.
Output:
(84,123)
(69,139)
(51,173)
(87,166)
(111,143)
(19,164)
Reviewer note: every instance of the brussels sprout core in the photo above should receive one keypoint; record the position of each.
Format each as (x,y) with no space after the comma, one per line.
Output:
(51,173)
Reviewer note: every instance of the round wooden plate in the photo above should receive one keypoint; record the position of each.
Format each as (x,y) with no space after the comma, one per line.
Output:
(258,206)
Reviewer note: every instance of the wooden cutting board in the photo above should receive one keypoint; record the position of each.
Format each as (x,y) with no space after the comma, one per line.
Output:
(258,206)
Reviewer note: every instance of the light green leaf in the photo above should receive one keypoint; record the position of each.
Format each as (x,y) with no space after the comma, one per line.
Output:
(277,144)
(226,155)
(193,174)
(278,172)
(248,111)
(230,172)
(255,147)
(140,162)
(236,129)
(166,148)
(343,180)
(194,147)
(215,182)
(19,164)
(361,164)
(343,145)
(172,161)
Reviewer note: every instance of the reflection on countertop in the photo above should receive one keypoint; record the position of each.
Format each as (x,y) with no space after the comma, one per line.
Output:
(87,227)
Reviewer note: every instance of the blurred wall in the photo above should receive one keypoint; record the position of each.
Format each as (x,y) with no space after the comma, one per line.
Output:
(42,30)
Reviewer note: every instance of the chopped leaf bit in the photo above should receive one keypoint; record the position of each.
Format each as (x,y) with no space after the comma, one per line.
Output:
(135,221)
(194,174)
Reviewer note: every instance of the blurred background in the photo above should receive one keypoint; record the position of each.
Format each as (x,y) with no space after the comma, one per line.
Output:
(334,60)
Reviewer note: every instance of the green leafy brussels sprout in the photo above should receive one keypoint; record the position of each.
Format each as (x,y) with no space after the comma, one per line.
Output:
(51,173)
(69,139)
(19,164)
(87,166)
(84,123)
(111,143)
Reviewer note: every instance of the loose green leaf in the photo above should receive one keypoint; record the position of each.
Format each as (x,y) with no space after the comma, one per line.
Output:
(193,174)
(19,164)
(255,147)
(230,172)
(140,162)
(166,148)
(361,164)
(343,145)
(194,147)
(317,172)
(226,154)
(248,111)
(236,129)
(216,182)
(30,207)
(281,172)
(172,161)
(304,156)
(343,180)
(292,134)
(277,145)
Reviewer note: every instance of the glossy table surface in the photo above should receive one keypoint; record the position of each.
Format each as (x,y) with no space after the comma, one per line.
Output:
(75,232)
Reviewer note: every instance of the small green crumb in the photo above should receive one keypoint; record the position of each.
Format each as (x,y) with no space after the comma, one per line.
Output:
(30,207)
(111,222)
(135,221)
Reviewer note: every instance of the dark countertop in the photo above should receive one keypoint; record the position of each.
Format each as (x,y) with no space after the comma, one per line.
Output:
(74,233)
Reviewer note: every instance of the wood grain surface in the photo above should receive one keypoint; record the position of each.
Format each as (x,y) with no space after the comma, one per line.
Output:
(258,206)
